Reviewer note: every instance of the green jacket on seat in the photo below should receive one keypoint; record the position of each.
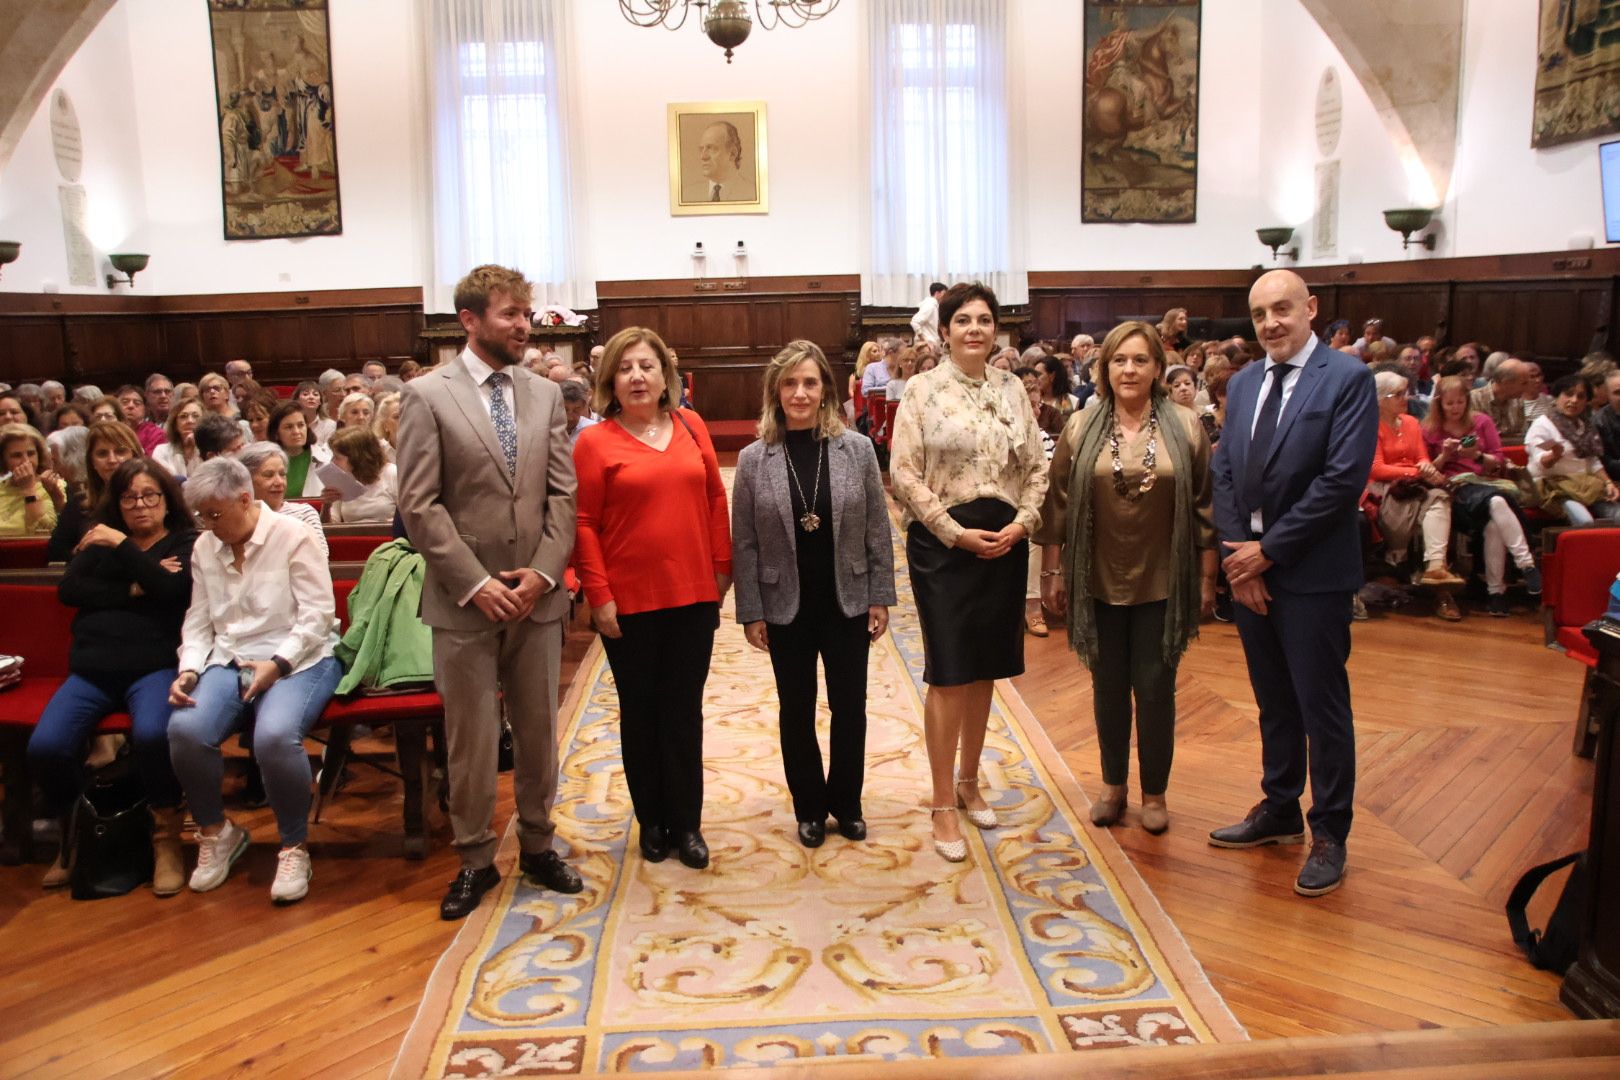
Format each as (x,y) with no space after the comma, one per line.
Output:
(387,646)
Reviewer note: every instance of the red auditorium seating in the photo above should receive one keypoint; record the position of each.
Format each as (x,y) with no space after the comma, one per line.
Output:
(26,553)
(38,627)
(1578,567)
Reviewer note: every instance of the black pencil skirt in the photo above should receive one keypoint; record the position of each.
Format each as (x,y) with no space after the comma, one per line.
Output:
(971,609)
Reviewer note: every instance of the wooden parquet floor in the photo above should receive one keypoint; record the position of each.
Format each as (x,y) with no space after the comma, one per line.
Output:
(1466,779)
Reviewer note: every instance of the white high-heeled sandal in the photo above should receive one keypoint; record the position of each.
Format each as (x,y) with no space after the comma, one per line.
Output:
(984,819)
(949,850)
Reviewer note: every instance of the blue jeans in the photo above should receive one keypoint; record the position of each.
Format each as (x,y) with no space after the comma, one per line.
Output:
(1581,515)
(282,716)
(56,748)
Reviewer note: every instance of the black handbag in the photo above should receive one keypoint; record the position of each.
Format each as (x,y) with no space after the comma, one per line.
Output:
(1555,948)
(111,835)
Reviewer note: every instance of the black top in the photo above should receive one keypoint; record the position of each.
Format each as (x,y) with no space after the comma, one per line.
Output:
(71,525)
(817,587)
(117,634)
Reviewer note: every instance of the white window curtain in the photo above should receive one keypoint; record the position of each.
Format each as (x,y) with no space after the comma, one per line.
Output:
(504,185)
(942,141)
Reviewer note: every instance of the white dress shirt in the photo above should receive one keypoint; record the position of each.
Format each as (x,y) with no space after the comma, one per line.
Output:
(1297,362)
(925,323)
(279,604)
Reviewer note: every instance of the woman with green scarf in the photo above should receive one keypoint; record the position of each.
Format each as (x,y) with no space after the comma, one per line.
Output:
(1130,555)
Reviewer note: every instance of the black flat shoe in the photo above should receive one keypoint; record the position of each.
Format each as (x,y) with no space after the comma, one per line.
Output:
(654,843)
(465,892)
(547,868)
(853,829)
(693,851)
(812,833)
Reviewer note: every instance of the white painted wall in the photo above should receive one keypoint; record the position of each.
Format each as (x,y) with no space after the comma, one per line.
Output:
(101,85)
(143,87)
(1504,197)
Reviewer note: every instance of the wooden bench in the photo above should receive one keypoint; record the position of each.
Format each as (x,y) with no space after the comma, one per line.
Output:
(1578,565)
(38,627)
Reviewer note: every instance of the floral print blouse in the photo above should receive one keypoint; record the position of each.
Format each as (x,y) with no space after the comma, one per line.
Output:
(957,439)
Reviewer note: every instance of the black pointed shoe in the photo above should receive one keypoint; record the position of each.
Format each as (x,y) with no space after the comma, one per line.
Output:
(812,833)
(654,843)
(465,892)
(692,850)
(1323,870)
(1261,826)
(547,868)
(852,828)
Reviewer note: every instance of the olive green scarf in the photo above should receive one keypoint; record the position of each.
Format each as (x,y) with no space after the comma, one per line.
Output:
(1182,612)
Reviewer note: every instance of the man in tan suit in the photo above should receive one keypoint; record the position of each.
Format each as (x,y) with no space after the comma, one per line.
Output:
(486,490)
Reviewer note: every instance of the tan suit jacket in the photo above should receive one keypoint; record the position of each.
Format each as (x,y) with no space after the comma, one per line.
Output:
(463,511)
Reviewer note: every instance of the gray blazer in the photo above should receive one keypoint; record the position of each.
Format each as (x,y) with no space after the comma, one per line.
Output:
(763,547)
(464,512)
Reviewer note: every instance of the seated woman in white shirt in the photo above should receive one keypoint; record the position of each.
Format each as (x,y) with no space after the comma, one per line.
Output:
(1565,454)
(356,411)
(290,431)
(359,453)
(178,452)
(256,645)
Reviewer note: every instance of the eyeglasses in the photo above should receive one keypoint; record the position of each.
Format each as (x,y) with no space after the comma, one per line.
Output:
(148,499)
(1395,394)
(209,518)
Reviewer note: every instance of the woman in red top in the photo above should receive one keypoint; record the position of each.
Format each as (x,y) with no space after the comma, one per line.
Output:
(1411,491)
(653,550)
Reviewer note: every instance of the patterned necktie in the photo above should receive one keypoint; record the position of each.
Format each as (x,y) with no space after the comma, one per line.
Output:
(501,415)
(1265,429)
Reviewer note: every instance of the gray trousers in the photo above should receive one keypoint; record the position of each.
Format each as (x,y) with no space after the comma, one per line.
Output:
(472,670)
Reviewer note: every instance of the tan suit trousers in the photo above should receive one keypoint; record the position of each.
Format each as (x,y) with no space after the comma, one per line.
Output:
(520,659)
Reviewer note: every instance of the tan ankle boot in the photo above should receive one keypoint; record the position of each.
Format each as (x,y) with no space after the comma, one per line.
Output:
(1155,815)
(168,862)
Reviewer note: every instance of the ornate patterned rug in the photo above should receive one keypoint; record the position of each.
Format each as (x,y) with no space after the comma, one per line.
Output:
(1045,939)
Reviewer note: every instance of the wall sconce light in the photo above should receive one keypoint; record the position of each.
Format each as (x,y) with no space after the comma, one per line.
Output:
(1276,236)
(128,264)
(9,250)
(1407,222)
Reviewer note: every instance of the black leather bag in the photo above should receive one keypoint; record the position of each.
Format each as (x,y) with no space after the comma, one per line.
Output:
(111,835)
(1555,948)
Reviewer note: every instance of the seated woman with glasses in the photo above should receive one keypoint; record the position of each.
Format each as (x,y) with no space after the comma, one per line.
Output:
(256,643)
(131,584)
(108,446)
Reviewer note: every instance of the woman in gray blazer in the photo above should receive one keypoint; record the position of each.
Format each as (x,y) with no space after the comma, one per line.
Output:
(814,571)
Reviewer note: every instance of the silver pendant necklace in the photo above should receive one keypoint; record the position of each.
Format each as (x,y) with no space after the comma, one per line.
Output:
(809,521)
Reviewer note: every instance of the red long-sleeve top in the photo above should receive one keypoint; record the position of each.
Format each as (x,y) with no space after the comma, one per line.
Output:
(1399,453)
(653,526)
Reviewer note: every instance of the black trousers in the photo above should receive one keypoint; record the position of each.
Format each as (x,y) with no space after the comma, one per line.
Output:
(1130,661)
(659,665)
(1297,654)
(842,643)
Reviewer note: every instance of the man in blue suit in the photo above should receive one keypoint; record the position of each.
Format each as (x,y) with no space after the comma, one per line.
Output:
(1288,475)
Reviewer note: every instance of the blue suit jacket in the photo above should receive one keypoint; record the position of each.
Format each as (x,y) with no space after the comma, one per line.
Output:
(1319,462)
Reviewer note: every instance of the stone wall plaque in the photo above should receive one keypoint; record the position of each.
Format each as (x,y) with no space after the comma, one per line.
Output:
(81,254)
(67,140)
(1325,225)
(1329,112)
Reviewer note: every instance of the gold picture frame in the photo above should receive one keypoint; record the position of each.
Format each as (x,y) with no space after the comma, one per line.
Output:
(717,158)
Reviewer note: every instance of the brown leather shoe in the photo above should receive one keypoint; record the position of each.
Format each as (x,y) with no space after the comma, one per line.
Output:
(1445,607)
(1108,806)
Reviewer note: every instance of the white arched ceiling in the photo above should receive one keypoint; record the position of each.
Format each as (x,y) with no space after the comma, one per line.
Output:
(37,39)
(1407,54)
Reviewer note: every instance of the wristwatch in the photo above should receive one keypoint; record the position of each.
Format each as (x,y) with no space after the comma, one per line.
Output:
(30,498)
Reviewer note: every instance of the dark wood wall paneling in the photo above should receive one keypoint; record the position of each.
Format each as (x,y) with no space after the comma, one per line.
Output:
(1551,306)
(287,336)
(726,331)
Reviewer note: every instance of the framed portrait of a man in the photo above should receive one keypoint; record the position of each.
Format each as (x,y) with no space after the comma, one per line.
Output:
(717,162)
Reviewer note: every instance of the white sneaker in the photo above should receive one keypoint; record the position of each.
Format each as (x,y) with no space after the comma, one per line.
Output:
(216,854)
(292,875)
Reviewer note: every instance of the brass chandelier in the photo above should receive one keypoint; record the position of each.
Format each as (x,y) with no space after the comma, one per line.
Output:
(726,22)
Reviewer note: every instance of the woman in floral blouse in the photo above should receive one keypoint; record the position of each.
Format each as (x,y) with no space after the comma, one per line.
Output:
(968,468)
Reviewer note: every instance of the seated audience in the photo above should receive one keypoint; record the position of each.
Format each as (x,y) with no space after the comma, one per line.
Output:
(313,403)
(288,431)
(359,453)
(409,370)
(237,371)
(266,463)
(1214,417)
(66,450)
(256,415)
(105,409)
(1337,335)
(1464,446)
(256,645)
(131,407)
(69,415)
(1537,402)
(333,392)
(106,447)
(1501,398)
(1473,354)
(1182,382)
(31,495)
(13,410)
(1372,332)
(576,407)
(52,395)
(1052,379)
(1410,493)
(215,394)
(867,355)
(385,425)
(131,583)
(904,367)
(179,452)
(1566,458)
(1173,329)
(218,436)
(878,373)
(374,370)
(1607,422)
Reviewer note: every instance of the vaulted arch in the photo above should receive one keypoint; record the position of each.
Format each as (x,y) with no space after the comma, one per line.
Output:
(37,39)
